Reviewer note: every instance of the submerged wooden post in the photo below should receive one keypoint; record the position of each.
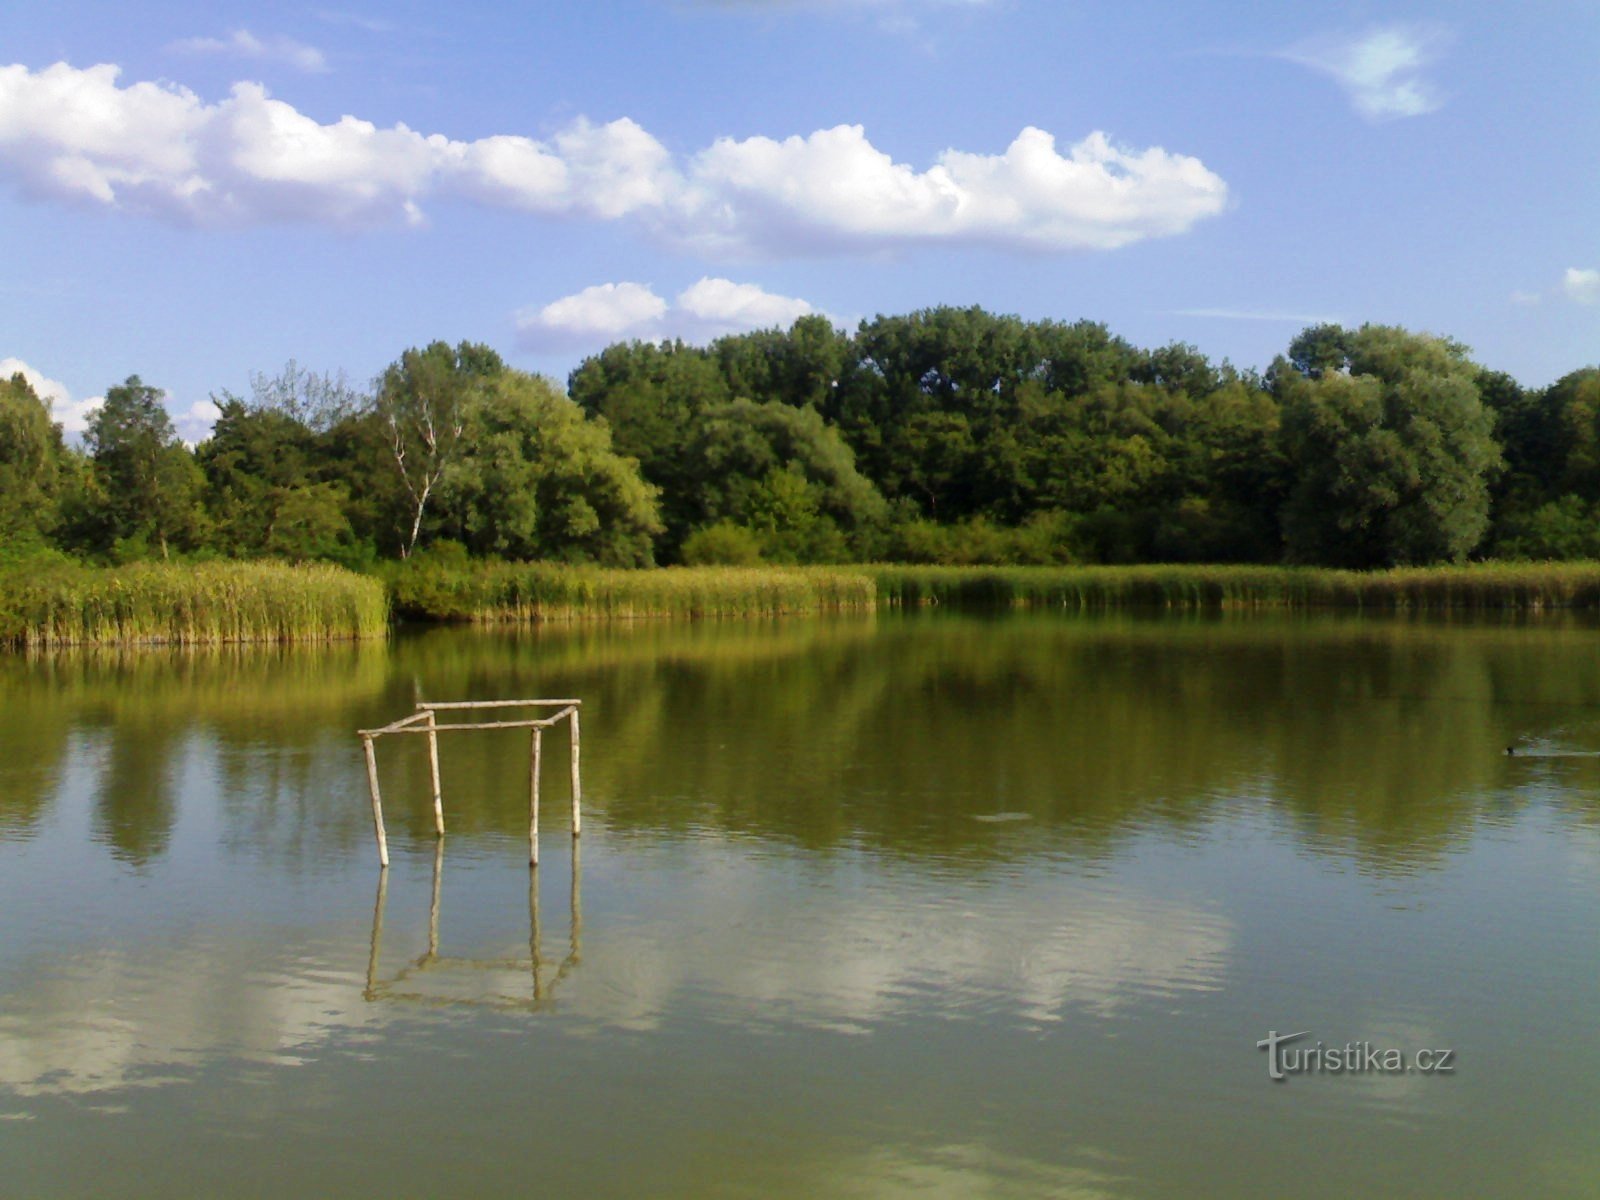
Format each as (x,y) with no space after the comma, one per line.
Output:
(577,787)
(377,936)
(433,905)
(533,935)
(577,909)
(377,800)
(433,766)
(534,753)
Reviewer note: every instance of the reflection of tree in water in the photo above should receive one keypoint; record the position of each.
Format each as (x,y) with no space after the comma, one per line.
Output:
(264,709)
(135,803)
(34,737)
(1378,738)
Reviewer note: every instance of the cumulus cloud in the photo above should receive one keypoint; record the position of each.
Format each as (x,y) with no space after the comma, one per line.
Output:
(835,190)
(1582,285)
(160,150)
(1381,70)
(241,43)
(194,423)
(611,312)
(72,415)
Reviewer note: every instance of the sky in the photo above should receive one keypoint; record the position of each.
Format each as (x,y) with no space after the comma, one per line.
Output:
(196,193)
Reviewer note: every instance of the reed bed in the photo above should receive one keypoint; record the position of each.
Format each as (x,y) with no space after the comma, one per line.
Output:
(525,593)
(188,604)
(1483,586)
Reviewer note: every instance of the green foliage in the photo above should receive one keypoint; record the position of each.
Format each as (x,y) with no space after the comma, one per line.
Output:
(149,487)
(1390,447)
(31,463)
(781,472)
(425,401)
(543,481)
(947,436)
(723,544)
(1567,528)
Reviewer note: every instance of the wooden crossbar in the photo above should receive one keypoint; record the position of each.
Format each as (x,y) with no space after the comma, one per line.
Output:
(498,704)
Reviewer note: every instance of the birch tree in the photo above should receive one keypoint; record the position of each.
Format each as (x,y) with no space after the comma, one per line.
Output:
(425,401)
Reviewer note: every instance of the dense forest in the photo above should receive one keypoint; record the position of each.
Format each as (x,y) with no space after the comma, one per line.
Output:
(945,436)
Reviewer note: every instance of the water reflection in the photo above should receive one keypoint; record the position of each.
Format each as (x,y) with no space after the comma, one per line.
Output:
(479,975)
(1377,739)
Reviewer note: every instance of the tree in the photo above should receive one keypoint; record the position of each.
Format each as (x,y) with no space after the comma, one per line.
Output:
(543,481)
(31,455)
(425,400)
(782,472)
(150,483)
(1390,447)
(651,396)
(315,401)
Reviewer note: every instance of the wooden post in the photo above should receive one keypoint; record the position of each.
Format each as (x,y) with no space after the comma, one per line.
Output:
(577,908)
(433,766)
(433,905)
(533,934)
(577,787)
(377,801)
(533,796)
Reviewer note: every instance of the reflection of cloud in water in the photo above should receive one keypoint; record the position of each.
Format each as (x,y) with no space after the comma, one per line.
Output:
(845,960)
(741,945)
(957,1171)
(121,1018)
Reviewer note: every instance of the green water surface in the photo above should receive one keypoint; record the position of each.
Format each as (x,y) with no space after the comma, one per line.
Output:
(926,905)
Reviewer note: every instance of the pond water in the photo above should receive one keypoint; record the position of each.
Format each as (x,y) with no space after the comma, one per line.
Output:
(909,905)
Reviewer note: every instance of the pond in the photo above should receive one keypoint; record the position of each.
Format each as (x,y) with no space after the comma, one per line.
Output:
(922,904)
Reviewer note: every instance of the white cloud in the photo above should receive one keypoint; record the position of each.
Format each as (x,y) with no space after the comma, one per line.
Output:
(241,43)
(194,423)
(72,415)
(835,190)
(723,304)
(611,312)
(1380,70)
(1582,285)
(159,150)
(605,311)
(1525,299)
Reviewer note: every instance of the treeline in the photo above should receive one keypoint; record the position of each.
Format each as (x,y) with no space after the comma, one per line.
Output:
(948,436)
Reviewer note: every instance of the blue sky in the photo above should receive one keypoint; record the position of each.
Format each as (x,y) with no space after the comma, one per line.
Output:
(194,192)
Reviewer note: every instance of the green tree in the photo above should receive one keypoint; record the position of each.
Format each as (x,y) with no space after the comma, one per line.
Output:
(424,401)
(1389,445)
(150,485)
(652,396)
(31,457)
(782,472)
(543,481)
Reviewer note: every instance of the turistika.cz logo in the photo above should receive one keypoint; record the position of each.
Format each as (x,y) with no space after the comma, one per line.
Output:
(1352,1058)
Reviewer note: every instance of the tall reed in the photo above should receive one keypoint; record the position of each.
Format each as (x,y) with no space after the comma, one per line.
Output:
(69,604)
(529,592)
(1530,586)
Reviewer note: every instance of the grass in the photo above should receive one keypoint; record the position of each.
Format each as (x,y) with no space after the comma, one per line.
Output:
(522,593)
(187,604)
(61,604)
(1525,586)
